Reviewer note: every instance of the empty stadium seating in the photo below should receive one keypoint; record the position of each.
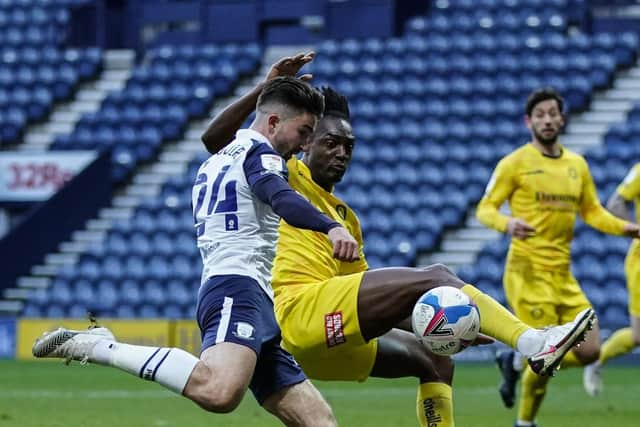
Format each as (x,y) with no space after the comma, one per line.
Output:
(433,111)
(173,85)
(36,69)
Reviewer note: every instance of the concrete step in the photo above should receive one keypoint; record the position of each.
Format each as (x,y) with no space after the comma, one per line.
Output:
(603,104)
(85,106)
(608,117)
(454,258)
(60,259)
(116,213)
(142,190)
(176,156)
(39,139)
(173,168)
(479,233)
(45,270)
(581,128)
(622,95)
(149,179)
(111,75)
(126,201)
(90,96)
(32,282)
(581,139)
(88,236)
(628,83)
(73,247)
(118,59)
(99,224)
(462,246)
(11,308)
(17,294)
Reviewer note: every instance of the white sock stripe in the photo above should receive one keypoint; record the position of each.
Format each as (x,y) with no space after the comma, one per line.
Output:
(153,377)
(225,316)
(150,368)
(140,374)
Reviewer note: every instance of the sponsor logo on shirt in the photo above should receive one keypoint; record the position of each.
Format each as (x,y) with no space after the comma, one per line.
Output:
(333,329)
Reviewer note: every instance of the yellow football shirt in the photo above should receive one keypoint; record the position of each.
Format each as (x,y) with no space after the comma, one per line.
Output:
(547,193)
(305,256)
(629,189)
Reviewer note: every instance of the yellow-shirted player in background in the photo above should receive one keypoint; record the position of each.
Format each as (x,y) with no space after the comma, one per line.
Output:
(339,319)
(546,186)
(623,340)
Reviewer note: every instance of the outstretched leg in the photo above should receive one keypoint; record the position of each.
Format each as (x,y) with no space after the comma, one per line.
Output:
(387,296)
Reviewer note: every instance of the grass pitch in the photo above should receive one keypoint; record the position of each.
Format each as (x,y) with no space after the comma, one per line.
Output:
(48,394)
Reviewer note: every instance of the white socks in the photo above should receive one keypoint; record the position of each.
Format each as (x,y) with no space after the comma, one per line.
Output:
(170,367)
(530,342)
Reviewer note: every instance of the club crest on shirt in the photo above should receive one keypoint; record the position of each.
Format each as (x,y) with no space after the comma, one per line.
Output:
(271,162)
(244,330)
(573,174)
(342,211)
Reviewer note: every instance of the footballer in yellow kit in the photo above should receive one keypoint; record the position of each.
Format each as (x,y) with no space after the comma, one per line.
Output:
(547,193)
(625,339)
(302,268)
(546,186)
(629,190)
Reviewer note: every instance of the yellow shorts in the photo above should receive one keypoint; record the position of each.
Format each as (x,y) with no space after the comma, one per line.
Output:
(632,271)
(541,298)
(320,327)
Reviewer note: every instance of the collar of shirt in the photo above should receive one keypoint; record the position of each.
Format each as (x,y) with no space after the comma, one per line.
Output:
(303,169)
(252,134)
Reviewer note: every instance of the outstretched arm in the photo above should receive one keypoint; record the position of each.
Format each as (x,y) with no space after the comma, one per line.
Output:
(223,127)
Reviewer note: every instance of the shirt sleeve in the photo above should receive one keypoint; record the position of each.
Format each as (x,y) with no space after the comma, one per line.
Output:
(592,211)
(262,160)
(266,171)
(629,189)
(499,189)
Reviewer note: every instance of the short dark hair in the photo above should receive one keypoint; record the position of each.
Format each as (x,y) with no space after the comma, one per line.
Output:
(335,103)
(292,93)
(543,94)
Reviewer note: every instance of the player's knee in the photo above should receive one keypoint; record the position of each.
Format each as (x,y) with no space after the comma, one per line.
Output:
(442,275)
(219,399)
(441,369)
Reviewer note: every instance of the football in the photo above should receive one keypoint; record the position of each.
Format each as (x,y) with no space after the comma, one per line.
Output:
(445,320)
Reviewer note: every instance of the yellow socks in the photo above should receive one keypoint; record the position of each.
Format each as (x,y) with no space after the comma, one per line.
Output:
(533,389)
(434,405)
(621,342)
(495,320)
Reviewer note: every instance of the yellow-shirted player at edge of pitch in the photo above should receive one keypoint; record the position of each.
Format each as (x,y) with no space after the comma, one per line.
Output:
(546,186)
(623,340)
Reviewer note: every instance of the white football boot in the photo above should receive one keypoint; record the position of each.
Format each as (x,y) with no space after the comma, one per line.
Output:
(69,344)
(559,340)
(592,379)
